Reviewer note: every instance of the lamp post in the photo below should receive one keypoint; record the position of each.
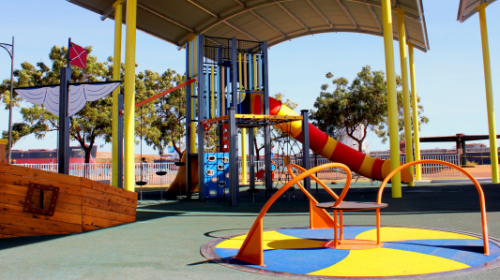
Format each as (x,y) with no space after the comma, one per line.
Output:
(10,49)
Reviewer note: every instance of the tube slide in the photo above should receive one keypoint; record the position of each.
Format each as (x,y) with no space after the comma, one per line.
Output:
(320,143)
(328,147)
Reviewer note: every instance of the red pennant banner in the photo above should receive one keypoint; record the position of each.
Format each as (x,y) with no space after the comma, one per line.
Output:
(77,56)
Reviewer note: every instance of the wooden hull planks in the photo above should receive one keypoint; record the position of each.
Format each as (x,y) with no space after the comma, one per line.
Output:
(82,205)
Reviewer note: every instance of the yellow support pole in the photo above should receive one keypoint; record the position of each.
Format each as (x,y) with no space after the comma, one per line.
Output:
(245,74)
(406,95)
(129,107)
(116,76)
(255,76)
(489,92)
(244,177)
(391,96)
(213,92)
(193,100)
(239,72)
(414,103)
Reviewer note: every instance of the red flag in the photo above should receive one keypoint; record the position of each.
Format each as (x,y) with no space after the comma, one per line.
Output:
(77,56)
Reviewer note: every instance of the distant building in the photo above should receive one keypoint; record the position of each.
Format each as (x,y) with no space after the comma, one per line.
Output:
(41,156)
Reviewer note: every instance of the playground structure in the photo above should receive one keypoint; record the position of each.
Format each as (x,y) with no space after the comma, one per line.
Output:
(275,22)
(225,100)
(231,93)
(362,253)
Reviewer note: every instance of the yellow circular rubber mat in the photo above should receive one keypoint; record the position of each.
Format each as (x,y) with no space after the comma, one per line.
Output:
(405,252)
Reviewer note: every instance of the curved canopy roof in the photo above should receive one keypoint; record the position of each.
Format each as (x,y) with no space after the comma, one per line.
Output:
(467,8)
(273,21)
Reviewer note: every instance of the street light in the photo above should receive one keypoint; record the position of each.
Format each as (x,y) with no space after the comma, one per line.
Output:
(10,49)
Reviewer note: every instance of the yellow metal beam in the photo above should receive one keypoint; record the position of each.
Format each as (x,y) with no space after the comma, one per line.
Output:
(489,92)
(255,75)
(269,117)
(116,76)
(406,95)
(212,100)
(244,179)
(194,70)
(255,117)
(414,103)
(391,96)
(129,172)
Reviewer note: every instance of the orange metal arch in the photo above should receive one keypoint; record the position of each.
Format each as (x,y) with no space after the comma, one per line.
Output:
(476,183)
(318,218)
(252,250)
(302,169)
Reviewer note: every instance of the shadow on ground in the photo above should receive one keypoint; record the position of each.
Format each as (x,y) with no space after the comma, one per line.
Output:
(424,199)
(431,198)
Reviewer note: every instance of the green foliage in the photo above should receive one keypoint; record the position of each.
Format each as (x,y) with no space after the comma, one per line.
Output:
(353,109)
(163,117)
(159,118)
(92,122)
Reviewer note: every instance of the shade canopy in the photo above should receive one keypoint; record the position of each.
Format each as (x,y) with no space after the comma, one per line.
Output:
(467,8)
(274,21)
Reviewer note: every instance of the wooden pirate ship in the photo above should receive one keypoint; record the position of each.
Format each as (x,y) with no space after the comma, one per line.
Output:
(35,202)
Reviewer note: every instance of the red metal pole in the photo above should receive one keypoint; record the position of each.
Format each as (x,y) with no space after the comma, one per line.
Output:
(166,92)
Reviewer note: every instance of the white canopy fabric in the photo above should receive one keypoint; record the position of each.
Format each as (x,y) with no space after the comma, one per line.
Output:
(78,96)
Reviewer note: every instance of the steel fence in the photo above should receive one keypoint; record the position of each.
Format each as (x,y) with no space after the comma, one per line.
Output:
(148,171)
(436,170)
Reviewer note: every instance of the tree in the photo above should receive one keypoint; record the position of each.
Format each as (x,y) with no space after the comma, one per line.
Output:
(276,134)
(94,121)
(358,107)
(167,124)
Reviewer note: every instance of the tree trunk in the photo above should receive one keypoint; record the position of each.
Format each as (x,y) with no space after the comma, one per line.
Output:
(88,151)
(87,154)
(257,150)
(179,152)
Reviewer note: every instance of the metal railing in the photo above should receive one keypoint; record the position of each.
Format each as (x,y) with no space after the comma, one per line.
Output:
(148,171)
(434,170)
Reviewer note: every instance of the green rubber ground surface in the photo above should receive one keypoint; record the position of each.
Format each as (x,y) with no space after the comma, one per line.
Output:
(165,241)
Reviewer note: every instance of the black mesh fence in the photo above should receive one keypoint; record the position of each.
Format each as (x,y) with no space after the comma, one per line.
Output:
(218,50)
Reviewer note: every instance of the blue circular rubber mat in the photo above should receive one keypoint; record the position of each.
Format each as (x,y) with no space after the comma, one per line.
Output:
(406,252)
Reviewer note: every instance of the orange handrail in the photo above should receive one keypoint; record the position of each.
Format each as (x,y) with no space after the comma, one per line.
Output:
(247,251)
(275,165)
(328,190)
(476,183)
(166,92)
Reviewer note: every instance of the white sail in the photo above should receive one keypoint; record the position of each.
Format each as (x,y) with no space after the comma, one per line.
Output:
(47,96)
(78,96)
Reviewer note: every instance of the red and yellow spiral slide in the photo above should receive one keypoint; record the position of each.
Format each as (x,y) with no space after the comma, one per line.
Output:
(328,147)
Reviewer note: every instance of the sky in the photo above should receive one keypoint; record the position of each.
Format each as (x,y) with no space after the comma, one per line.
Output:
(450,76)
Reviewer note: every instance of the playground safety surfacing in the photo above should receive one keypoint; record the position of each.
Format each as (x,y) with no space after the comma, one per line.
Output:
(406,253)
